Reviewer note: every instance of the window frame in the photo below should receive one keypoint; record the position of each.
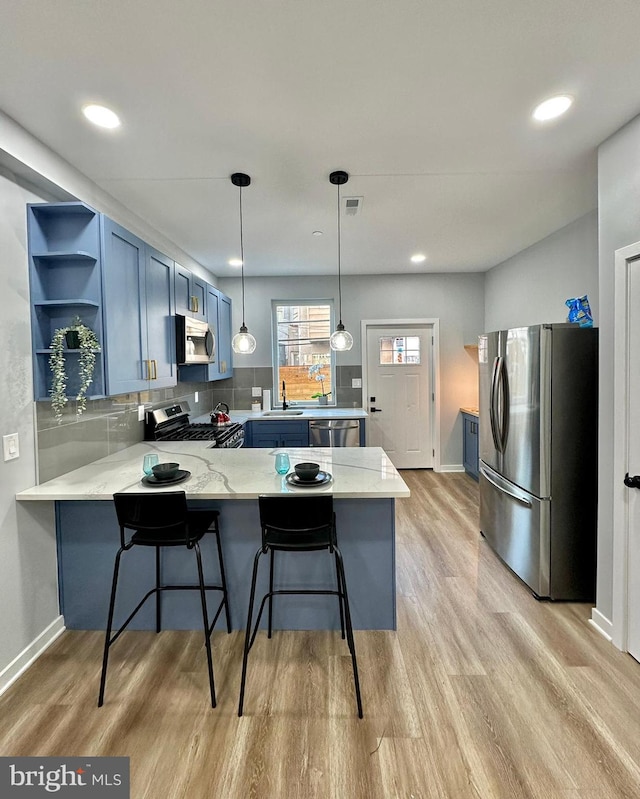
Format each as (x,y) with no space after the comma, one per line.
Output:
(276,399)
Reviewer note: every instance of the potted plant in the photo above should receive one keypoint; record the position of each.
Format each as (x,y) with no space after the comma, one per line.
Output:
(315,371)
(77,336)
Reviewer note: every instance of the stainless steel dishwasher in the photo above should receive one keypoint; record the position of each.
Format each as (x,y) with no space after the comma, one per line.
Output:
(334,433)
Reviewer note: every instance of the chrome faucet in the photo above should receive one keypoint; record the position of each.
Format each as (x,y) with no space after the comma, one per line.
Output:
(285,405)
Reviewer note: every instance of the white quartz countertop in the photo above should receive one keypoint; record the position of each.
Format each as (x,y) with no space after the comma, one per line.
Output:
(245,473)
(307,413)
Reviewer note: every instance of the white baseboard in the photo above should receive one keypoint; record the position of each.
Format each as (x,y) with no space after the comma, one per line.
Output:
(451,467)
(31,653)
(601,624)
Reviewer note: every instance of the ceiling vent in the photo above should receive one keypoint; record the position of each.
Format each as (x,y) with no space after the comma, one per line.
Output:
(352,205)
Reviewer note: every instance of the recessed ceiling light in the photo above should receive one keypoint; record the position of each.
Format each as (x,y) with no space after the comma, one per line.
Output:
(317,233)
(101,115)
(553,107)
(235,262)
(418,258)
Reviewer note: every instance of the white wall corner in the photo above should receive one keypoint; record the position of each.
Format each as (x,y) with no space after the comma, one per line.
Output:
(30,654)
(601,624)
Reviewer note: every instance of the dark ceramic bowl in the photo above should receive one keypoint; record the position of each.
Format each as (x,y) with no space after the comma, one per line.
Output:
(165,471)
(307,471)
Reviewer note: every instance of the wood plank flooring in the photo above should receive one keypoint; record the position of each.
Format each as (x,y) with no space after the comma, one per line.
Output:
(483,692)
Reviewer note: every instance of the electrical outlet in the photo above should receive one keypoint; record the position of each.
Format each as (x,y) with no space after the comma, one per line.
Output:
(195,396)
(11,446)
(141,413)
(356,382)
(256,391)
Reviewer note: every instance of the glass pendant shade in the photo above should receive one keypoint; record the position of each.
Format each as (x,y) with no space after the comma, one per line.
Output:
(243,342)
(341,340)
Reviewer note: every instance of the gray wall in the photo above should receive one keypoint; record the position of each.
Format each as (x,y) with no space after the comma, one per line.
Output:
(530,288)
(28,578)
(619,225)
(457,300)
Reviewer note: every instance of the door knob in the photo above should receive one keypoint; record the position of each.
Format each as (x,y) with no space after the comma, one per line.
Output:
(632,482)
(375,410)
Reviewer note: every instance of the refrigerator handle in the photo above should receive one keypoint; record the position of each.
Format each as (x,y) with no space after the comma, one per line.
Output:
(492,403)
(504,411)
(517,497)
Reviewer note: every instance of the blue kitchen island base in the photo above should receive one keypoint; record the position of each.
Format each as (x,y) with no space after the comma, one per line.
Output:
(88,539)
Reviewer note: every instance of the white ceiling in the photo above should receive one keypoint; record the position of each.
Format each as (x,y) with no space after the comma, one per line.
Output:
(426,103)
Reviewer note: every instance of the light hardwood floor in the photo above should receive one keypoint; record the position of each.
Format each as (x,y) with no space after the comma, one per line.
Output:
(482,693)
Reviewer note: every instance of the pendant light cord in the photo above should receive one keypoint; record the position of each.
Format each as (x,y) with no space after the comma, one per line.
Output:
(339,275)
(242,255)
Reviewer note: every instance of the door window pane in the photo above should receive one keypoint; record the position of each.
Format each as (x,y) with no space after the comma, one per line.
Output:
(399,350)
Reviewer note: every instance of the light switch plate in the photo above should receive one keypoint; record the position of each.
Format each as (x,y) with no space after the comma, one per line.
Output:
(256,391)
(356,382)
(141,413)
(11,446)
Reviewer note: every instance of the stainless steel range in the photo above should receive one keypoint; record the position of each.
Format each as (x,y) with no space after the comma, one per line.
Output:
(171,423)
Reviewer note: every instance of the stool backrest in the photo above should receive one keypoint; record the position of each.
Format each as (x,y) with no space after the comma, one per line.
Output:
(162,514)
(297,522)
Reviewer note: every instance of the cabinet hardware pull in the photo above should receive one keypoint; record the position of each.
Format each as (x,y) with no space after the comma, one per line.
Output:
(155,369)
(148,363)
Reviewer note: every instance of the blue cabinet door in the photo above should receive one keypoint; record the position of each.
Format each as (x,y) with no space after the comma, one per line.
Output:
(161,329)
(225,356)
(191,294)
(470,445)
(183,291)
(127,366)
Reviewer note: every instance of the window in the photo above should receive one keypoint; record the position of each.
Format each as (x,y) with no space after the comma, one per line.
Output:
(398,350)
(303,358)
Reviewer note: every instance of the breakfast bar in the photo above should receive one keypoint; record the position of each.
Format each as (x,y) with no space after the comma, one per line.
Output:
(364,484)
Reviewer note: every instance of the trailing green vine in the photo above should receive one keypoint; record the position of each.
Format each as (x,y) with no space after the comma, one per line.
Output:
(88,346)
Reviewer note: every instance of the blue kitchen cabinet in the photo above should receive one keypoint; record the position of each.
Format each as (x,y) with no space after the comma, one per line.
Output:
(470,445)
(225,355)
(139,308)
(160,314)
(190,294)
(286,433)
(219,320)
(65,280)
(83,264)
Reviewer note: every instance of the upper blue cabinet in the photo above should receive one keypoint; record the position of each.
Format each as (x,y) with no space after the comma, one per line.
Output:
(139,311)
(82,264)
(191,294)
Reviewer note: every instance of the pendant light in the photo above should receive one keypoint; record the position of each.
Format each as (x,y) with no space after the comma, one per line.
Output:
(243,342)
(341,340)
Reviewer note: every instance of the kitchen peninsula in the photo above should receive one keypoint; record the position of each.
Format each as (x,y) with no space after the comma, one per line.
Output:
(365,485)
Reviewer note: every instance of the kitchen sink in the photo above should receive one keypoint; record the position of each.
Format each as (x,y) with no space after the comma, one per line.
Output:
(283,413)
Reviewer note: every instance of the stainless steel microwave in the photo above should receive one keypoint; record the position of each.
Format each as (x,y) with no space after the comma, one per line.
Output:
(195,341)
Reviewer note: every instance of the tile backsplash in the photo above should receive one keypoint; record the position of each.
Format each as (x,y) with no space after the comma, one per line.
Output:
(111,424)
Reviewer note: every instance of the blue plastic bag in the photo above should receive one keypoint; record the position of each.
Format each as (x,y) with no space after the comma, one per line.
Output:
(579,311)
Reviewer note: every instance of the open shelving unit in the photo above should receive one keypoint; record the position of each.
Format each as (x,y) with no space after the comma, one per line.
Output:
(65,282)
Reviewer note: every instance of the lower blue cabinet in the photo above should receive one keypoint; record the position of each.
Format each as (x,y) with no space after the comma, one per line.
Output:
(278,434)
(470,445)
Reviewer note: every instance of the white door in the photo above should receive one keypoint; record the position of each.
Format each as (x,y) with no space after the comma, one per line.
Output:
(399,394)
(633,453)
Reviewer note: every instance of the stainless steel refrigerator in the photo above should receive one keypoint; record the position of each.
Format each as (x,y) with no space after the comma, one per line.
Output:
(538,455)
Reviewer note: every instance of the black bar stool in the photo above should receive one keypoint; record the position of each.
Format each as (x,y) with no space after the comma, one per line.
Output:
(164,520)
(285,528)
